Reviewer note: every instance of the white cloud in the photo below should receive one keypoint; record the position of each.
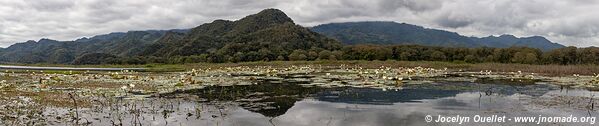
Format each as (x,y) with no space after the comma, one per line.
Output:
(572,22)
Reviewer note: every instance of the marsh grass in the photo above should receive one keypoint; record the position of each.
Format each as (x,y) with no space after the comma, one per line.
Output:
(65,72)
(548,70)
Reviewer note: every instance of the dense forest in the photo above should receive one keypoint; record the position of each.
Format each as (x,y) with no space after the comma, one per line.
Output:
(524,55)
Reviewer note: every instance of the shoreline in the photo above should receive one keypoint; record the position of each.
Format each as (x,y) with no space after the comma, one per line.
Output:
(65,68)
(546,70)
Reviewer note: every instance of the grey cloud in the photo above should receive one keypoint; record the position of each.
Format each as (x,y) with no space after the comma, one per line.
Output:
(572,22)
(453,21)
(414,5)
(50,5)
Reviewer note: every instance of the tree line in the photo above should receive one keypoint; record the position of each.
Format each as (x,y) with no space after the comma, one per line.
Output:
(523,55)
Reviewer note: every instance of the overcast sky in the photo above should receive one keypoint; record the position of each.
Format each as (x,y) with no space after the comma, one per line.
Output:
(568,22)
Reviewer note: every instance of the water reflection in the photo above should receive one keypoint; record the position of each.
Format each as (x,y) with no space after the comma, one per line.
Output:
(417,93)
(379,97)
(294,105)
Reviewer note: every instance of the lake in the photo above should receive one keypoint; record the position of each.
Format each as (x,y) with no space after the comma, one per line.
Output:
(294,105)
(296,96)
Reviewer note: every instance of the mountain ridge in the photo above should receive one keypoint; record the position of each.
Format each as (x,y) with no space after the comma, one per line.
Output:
(247,39)
(267,35)
(270,31)
(388,32)
(62,52)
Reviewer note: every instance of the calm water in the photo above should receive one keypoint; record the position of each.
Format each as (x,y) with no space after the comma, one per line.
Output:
(65,68)
(293,105)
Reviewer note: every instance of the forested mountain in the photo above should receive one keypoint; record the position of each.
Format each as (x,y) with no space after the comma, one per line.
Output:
(391,33)
(52,51)
(267,35)
(505,41)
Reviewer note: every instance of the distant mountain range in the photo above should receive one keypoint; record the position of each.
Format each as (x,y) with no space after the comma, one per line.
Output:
(52,51)
(378,32)
(267,35)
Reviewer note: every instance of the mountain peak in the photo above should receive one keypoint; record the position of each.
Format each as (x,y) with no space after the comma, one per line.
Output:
(268,16)
(538,37)
(271,10)
(264,19)
(46,40)
(507,36)
(268,30)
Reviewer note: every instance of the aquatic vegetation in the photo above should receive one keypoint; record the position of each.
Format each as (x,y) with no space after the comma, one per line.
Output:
(264,89)
(3,84)
(20,111)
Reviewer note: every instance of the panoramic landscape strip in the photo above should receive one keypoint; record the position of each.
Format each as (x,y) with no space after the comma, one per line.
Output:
(266,68)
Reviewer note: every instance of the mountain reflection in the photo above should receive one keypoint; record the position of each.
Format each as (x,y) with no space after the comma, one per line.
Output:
(273,100)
